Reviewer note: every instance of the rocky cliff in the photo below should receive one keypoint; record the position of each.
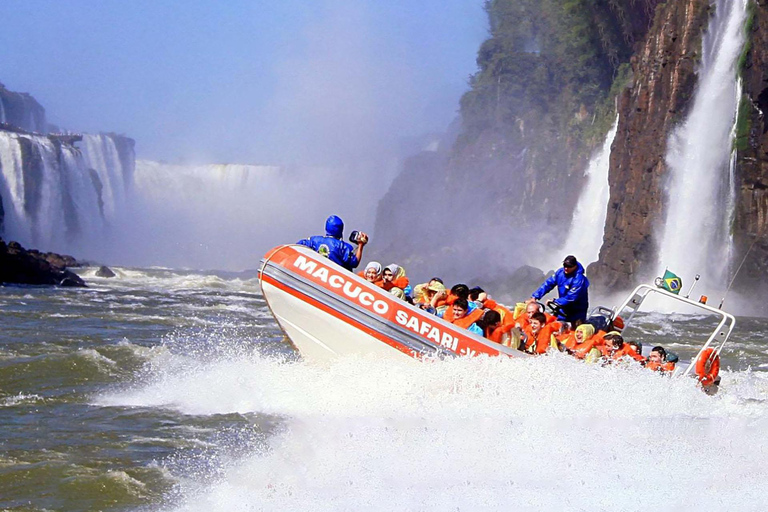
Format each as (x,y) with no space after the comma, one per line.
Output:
(750,228)
(541,101)
(58,191)
(655,100)
(21,110)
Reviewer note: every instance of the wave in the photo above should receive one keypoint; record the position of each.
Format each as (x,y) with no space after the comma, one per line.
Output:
(536,434)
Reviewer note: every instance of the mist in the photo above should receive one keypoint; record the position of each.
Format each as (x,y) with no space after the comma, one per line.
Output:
(322,95)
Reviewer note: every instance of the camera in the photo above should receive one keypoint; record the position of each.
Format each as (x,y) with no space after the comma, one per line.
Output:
(356,236)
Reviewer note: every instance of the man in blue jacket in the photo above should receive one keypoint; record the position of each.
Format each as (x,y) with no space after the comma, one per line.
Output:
(572,285)
(333,247)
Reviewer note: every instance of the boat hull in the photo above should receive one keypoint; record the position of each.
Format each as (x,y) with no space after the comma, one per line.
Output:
(329,312)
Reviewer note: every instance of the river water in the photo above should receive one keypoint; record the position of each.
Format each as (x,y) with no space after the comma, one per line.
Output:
(174,390)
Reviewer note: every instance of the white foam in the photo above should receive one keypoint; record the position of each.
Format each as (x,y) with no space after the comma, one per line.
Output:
(548,433)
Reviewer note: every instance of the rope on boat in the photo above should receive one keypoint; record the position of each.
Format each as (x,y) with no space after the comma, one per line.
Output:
(737,271)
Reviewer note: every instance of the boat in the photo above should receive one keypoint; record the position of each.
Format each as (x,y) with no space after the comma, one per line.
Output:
(326,312)
(705,366)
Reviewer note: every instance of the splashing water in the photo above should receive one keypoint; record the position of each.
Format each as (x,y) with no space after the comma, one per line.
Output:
(537,434)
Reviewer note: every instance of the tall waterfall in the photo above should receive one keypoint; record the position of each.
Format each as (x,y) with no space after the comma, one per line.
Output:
(585,236)
(2,111)
(696,233)
(58,197)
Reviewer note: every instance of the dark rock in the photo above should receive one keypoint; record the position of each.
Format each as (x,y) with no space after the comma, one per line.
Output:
(105,271)
(19,266)
(61,261)
(750,227)
(664,78)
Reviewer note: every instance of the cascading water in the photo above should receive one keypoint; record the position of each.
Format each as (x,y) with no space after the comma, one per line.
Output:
(53,192)
(100,154)
(585,235)
(2,111)
(696,231)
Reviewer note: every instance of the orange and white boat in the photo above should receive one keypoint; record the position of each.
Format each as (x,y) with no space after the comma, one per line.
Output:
(327,311)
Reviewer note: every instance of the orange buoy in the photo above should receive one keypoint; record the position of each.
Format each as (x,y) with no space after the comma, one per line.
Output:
(708,367)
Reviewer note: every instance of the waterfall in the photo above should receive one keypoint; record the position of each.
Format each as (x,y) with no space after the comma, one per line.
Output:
(100,154)
(585,236)
(695,234)
(53,193)
(2,111)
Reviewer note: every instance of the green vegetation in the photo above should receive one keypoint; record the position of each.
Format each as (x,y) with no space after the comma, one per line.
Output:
(748,25)
(743,124)
(554,66)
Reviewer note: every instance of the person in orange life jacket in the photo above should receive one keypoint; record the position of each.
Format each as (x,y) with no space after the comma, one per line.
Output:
(421,291)
(461,316)
(459,291)
(395,280)
(430,297)
(539,333)
(580,342)
(490,324)
(615,348)
(333,247)
(657,361)
(372,273)
(522,321)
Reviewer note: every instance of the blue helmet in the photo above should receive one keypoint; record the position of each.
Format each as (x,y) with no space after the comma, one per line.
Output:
(334,227)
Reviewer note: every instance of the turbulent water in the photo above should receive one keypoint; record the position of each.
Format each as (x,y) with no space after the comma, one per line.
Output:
(170,390)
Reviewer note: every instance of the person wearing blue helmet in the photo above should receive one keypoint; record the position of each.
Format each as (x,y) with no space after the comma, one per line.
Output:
(333,247)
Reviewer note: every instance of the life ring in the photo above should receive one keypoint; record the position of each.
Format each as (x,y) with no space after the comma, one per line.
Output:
(708,367)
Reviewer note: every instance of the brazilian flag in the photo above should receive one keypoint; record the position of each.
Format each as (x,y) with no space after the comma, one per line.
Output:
(671,282)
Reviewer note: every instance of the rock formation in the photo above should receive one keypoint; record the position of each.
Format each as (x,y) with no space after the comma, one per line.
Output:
(750,228)
(20,110)
(663,81)
(504,191)
(21,266)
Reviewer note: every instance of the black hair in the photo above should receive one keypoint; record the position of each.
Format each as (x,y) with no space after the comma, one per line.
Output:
(662,351)
(475,292)
(570,261)
(541,317)
(436,279)
(489,318)
(460,290)
(462,303)
(617,339)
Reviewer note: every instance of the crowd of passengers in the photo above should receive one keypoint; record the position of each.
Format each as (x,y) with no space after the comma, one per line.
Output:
(526,326)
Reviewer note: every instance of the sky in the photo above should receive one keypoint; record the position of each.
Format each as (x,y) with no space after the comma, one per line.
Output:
(237,81)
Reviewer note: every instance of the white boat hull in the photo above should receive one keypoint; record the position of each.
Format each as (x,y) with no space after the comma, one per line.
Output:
(328,312)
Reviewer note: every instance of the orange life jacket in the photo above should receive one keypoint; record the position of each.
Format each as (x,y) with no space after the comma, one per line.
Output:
(626,351)
(581,350)
(660,367)
(542,340)
(379,282)
(466,320)
(398,282)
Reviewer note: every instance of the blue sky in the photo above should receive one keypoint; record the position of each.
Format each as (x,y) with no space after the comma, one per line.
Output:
(245,81)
